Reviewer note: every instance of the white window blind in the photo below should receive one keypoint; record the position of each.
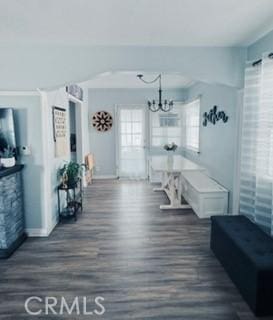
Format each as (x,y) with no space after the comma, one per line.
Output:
(256,177)
(166,127)
(191,125)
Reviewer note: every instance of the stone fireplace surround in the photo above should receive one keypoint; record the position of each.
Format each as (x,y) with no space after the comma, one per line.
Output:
(12,222)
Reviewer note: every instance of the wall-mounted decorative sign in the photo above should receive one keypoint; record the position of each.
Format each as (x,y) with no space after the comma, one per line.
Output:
(75,91)
(60,132)
(213,116)
(102,121)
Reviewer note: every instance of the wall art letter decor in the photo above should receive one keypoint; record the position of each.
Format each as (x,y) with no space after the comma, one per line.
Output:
(213,116)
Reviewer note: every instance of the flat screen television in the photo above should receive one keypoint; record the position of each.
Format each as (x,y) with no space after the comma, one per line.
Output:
(7,131)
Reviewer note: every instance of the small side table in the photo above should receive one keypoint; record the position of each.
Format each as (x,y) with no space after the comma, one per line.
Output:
(73,200)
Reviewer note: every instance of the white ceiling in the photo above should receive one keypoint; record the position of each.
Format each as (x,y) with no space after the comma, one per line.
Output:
(129,80)
(135,22)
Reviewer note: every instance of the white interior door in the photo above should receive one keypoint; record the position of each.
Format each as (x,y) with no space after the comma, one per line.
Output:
(131,143)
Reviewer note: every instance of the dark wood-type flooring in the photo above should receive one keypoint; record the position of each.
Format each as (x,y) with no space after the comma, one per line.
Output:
(146,263)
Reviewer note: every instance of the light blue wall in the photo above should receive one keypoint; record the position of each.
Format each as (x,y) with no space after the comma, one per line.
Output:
(217,142)
(55,98)
(103,145)
(261,46)
(29,133)
(60,98)
(27,67)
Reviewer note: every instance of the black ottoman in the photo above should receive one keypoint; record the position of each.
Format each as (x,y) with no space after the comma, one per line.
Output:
(246,253)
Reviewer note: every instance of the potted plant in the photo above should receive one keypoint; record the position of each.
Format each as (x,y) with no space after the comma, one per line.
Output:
(69,174)
(170,147)
(7,157)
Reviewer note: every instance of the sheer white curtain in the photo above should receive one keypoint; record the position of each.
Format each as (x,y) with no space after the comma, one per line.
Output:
(165,127)
(257,144)
(131,153)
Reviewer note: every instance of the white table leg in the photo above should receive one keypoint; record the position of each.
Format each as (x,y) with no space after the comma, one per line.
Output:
(171,184)
(164,182)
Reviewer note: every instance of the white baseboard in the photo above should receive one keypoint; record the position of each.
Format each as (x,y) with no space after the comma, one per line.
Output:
(104,177)
(36,232)
(40,232)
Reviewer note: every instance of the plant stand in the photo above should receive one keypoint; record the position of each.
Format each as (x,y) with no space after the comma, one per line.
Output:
(73,201)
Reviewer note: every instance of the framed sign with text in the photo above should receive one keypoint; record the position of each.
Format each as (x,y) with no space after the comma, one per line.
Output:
(60,131)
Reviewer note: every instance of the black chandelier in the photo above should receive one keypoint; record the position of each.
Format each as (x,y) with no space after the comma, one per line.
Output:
(166,105)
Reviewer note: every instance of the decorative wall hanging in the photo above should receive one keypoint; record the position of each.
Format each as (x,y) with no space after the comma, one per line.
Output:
(75,91)
(102,121)
(60,132)
(213,116)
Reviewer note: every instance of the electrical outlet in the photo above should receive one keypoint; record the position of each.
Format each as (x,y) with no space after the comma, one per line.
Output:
(97,168)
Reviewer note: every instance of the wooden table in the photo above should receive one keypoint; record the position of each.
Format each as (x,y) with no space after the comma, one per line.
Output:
(171,169)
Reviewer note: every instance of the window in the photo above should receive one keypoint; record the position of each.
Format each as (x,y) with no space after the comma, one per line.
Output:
(166,127)
(191,124)
(169,120)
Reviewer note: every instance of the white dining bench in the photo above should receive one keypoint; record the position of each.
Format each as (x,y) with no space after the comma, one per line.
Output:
(171,181)
(205,196)
(183,179)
